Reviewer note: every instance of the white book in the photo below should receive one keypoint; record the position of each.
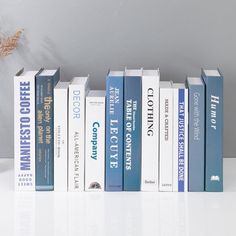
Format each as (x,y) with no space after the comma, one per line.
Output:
(60,136)
(166,136)
(24,130)
(150,130)
(95,141)
(77,92)
(180,138)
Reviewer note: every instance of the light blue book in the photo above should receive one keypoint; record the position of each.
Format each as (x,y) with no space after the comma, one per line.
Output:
(214,130)
(44,129)
(114,131)
(132,130)
(196,142)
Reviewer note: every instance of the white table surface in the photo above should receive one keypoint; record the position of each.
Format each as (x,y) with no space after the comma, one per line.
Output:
(121,214)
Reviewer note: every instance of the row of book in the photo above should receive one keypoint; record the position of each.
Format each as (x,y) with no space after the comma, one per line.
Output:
(141,134)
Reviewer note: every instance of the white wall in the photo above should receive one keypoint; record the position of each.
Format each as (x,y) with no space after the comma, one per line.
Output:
(85,36)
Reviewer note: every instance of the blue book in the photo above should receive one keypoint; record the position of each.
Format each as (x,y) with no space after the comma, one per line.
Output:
(214,130)
(114,131)
(44,138)
(132,130)
(196,140)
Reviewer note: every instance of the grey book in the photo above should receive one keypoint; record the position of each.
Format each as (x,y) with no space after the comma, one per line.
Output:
(196,133)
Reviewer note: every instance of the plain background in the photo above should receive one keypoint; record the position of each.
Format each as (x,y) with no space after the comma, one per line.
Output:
(89,37)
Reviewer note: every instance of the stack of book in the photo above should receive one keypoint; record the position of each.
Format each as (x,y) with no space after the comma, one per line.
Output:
(141,134)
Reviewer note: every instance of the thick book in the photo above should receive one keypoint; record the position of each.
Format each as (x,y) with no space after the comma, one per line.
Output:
(166,137)
(180,137)
(24,130)
(196,134)
(114,131)
(44,129)
(60,136)
(214,130)
(78,89)
(150,130)
(132,129)
(95,141)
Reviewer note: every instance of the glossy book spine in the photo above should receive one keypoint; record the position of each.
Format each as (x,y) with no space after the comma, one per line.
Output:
(114,133)
(180,140)
(166,139)
(44,134)
(24,131)
(60,136)
(95,141)
(214,130)
(150,130)
(76,136)
(132,133)
(196,137)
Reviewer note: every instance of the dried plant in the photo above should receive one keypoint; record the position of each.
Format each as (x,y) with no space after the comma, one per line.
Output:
(8,45)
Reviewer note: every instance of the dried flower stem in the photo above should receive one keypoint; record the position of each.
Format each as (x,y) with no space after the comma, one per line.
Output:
(8,45)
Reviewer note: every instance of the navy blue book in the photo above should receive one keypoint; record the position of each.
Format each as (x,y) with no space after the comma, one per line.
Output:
(114,131)
(214,130)
(196,141)
(132,130)
(44,138)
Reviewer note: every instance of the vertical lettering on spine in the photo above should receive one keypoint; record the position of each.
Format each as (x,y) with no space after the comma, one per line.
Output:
(181,140)
(25,134)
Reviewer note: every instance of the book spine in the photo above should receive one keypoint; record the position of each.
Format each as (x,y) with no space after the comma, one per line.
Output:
(166,139)
(95,144)
(132,133)
(214,134)
(186,157)
(24,133)
(114,133)
(175,138)
(196,137)
(44,133)
(180,140)
(60,139)
(150,133)
(76,137)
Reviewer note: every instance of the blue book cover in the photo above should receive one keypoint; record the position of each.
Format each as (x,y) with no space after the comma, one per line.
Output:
(44,138)
(196,134)
(214,130)
(132,130)
(114,131)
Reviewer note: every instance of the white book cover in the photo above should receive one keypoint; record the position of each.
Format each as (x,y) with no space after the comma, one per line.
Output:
(95,141)
(60,136)
(180,138)
(77,92)
(150,130)
(166,136)
(24,130)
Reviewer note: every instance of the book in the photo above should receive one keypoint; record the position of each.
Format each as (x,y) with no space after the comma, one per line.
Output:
(132,129)
(24,130)
(95,141)
(180,137)
(114,131)
(166,136)
(196,134)
(214,130)
(60,136)
(150,130)
(46,80)
(78,89)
